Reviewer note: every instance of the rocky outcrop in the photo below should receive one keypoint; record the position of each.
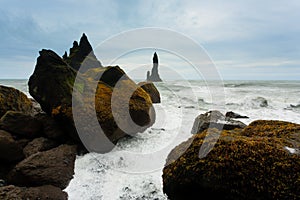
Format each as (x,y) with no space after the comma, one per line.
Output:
(82,56)
(215,119)
(153,92)
(154,76)
(52,72)
(12,99)
(53,167)
(260,161)
(46,192)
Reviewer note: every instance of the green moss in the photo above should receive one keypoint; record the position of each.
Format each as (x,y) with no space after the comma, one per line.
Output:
(239,166)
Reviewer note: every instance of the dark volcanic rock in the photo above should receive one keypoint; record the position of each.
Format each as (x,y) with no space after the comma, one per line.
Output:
(259,162)
(13,99)
(153,92)
(52,85)
(46,192)
(53,167)
(82,56)
(51,128)
(109,75)
(215,119)
(52,81)
(10,150)
(154,76)
(21,124)
(231,114)
(39,144)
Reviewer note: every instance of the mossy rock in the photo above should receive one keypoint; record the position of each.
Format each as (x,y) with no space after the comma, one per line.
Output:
(109,75)
(12,99)
(151,89)
(238,166)
(52,85)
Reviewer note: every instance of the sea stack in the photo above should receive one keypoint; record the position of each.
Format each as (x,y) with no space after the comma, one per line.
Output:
(154,76)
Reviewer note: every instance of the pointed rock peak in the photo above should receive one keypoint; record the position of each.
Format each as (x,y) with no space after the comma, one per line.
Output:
(155,58)
(84,42)
(75,44)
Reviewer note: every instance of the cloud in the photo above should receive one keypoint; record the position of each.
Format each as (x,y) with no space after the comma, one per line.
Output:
(247,34)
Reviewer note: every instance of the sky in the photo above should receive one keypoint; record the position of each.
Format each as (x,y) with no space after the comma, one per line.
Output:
(245,39)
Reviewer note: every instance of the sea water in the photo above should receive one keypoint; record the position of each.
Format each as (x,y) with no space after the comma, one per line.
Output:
(133,169)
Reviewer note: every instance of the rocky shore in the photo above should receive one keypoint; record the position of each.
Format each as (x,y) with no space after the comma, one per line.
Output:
(39,141)
(40,137)
(258,161)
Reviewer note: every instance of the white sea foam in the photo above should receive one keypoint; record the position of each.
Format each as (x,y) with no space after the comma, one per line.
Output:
(133,170)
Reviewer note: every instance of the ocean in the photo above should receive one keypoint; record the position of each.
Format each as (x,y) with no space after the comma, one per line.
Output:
(133,169)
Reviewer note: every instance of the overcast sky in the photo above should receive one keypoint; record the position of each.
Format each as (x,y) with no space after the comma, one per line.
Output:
(247,39)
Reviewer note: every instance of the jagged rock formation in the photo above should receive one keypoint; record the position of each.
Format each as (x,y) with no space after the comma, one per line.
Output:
(52,72)
(154,76)
(82,56)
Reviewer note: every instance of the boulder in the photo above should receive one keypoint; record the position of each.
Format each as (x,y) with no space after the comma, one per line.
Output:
(52,72)
(45,192)
(38,145)
(13,99)
(51,128)
(153,92)
(21,124)
(82,56)
(10,150)
(234,115)
(258,162)
(215,119)
(53,167)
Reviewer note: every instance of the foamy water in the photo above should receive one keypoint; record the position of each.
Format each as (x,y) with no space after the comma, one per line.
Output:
(133,170)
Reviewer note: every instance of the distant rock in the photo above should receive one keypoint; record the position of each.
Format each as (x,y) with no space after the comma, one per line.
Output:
(154,76)
(82,56)
(215,119)
(260,102)
(45,192)
(259,162)
(12,99)
(150,88)
(52,167)
(234,115)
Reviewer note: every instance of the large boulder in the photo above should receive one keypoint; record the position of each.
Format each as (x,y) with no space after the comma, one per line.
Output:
(215,119)
(10,150)
(54,167)
(52,85)
(38,145)
(82,55)
(45,192)
(153,92)
(21,124)
(13,99)
(261,161)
